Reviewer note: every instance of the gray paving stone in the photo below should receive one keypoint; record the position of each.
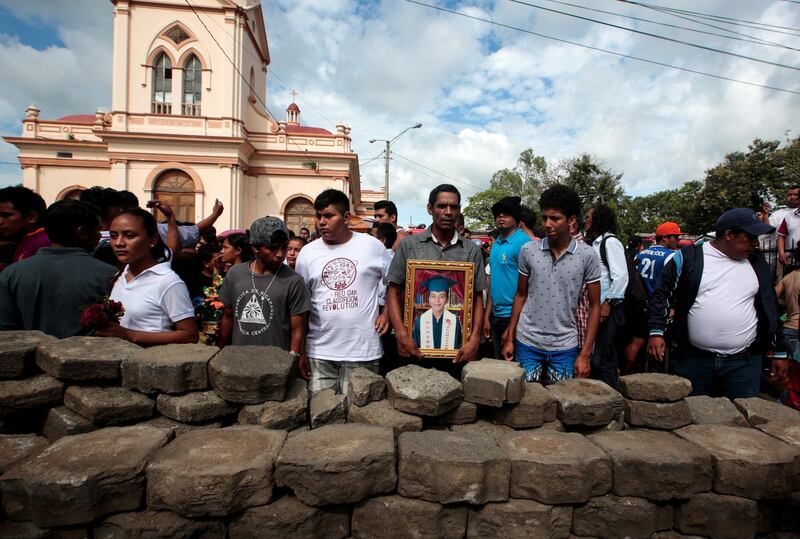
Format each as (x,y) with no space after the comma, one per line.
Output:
(18,351)
(62,421)
(108,405)
(717,516)
(586,402)
(747,462)
(655,465)
(715,411)
(195,407)
(327,408)
(286,415)
(154,524)
(251,374)
(466,412)
(654,387)
(758,411)
(788,433)
(289,518)
(365,386)
(29,530)
(338,464)
(519,519)
(15,448)
(171,368)
(555,467)
(40,390)
(396,517)
(83,477)
(538,406)
(420,391)
(482,427)
(176,428)
(493,382)
(381,413)
(450,467)
(620,516)
(84,359)
(658,415)
(214,472)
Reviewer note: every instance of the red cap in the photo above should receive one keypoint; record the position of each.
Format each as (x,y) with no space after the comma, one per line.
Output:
(668,229)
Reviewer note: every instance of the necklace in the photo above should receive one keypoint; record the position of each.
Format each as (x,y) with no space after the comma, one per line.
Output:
(253,278)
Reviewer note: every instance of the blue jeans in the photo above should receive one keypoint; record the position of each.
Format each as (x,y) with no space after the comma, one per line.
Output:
(733,377)
(546,366)
(792,342)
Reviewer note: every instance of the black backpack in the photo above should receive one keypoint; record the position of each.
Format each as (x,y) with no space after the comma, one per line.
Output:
(636,298)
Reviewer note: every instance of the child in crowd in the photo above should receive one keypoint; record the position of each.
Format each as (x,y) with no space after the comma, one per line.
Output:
(295,245)
(156,301)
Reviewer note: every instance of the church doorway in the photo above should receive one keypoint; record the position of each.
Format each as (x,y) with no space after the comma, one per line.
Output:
(177,188)
(299,214)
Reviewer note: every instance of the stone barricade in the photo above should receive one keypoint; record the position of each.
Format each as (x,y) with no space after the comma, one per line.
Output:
(182,441)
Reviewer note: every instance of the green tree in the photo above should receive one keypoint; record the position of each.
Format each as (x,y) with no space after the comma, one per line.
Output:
(526,180)
(589,176)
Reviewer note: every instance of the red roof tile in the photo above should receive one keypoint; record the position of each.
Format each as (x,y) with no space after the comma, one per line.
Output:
(78,119)
(293,129)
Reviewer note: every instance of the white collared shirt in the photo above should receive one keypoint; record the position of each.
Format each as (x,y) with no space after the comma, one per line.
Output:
(614,278)
(154,300)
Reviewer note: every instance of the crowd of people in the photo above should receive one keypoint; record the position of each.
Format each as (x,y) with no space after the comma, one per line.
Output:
(560,294)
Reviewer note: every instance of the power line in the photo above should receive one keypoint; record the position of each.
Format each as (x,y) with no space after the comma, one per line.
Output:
(719,18)
(437,172)
(361,164)
(656,36)
(252,90)
(703,23)
(756,41)
(598,49)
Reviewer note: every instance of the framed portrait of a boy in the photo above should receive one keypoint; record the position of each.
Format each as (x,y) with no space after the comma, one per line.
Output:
(438,305)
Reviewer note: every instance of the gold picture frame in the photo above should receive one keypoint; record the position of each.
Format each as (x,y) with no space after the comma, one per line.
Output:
(443,315)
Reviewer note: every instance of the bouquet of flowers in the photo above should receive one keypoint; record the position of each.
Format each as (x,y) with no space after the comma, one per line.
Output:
(102,313)
(209,312)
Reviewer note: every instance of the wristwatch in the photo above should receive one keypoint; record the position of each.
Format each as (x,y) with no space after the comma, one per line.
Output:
(294,354)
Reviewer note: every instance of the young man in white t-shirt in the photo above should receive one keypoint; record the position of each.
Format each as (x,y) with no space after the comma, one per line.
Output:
(344,272)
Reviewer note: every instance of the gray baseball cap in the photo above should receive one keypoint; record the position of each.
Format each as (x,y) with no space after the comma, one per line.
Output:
(268,231)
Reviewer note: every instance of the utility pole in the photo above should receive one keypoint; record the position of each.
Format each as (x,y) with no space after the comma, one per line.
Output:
(388,155)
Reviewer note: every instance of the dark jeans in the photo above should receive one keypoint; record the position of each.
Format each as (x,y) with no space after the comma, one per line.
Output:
(605,358)
(499,325)
(733,377)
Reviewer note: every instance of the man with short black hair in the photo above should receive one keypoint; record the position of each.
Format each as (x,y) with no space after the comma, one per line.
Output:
(305,234)
(439,242)
(344,273)
(552,275)
(503,262)
(46,291)
(265,301)
(22,213)
(726,314)
(527,221)
(386,212)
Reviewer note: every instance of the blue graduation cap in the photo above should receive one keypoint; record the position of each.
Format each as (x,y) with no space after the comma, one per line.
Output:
(439,283)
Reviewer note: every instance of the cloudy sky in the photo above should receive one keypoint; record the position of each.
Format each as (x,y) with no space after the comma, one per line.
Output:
(483,92)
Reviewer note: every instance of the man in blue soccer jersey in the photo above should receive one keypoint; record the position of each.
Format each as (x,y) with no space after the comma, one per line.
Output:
(649,264)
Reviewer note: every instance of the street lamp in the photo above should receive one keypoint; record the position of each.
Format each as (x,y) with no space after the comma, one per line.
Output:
(388,153)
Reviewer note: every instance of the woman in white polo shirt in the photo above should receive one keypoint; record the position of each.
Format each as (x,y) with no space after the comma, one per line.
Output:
(156,301)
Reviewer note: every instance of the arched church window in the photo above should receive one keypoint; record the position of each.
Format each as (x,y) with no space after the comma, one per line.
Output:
(162,85)
(177,188)
(192,86)
(299,213)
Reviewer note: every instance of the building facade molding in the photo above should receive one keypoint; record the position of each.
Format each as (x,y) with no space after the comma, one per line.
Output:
(152,177)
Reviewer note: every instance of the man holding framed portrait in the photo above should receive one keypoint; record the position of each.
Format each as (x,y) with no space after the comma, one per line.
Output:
(436,281)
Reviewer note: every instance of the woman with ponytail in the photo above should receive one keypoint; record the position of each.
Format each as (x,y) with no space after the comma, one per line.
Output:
(156,302)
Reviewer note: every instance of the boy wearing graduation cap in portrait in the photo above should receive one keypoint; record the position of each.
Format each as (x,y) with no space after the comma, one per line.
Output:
(437,327)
